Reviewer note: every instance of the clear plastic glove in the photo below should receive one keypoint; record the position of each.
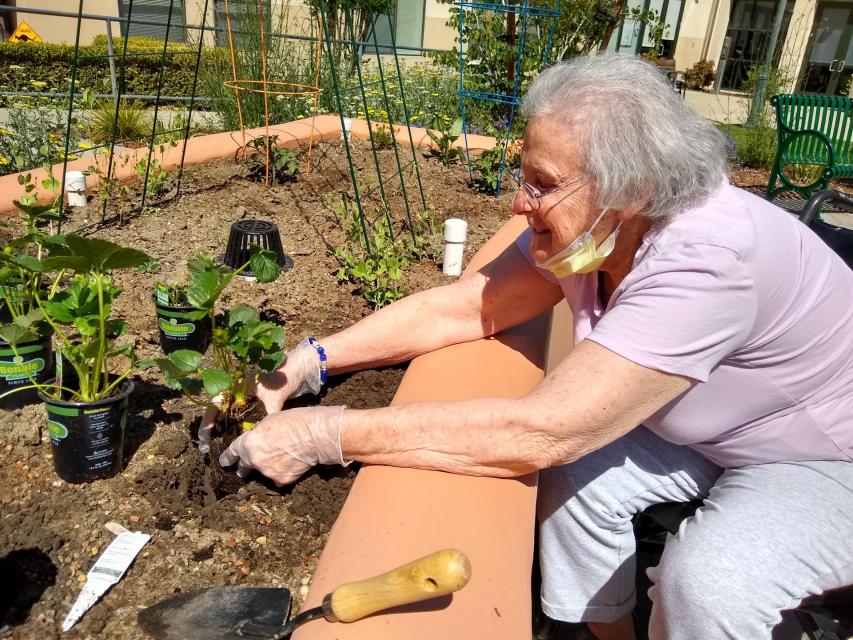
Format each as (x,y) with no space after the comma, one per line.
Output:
(300,374)
(208,421)
(286,444)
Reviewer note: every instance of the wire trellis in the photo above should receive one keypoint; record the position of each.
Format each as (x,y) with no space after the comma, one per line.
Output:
(523,11)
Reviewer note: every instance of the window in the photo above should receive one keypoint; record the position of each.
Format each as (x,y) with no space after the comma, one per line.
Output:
(633,36)
(244,15)
(747,37)
(153,11)
(408,23)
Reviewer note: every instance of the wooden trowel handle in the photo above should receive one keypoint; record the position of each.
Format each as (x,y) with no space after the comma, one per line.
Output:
(435,575)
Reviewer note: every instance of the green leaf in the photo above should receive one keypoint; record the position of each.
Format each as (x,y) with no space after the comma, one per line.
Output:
(456,128)
(242,315)
(87,325)
(15,334)
(193,386)
(271,362)
(205,287)
(264,264)
(215,381)
(203,262)
(185,360)
(95,255)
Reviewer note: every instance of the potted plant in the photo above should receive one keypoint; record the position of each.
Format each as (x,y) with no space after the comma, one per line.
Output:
(186,312)
(87,416)
(242,344)
(26,353)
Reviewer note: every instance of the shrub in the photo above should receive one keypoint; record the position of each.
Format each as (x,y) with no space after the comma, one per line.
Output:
(132,124)
(757,148)
(700,75)
(43,66)
(31,138)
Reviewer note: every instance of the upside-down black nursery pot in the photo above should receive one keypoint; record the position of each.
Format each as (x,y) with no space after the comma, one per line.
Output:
(87,438)
(182,328)
(33,362)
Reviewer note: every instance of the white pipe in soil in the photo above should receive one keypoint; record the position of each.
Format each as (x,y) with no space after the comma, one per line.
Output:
(455,231)
(75,187)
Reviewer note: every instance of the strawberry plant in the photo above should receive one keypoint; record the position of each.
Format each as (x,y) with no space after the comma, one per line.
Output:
(79,315)
(284,167)
(242,343)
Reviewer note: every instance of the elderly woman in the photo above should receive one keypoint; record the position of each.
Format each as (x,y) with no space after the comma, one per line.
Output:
(713,359)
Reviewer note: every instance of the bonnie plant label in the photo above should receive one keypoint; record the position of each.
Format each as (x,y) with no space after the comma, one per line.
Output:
(174,329)
(21,369)
(162,294)
(57,430)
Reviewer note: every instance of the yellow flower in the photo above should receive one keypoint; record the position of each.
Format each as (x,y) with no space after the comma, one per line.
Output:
(83,145)
(3,160)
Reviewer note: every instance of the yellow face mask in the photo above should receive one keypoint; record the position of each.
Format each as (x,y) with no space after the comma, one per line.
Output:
(582,255)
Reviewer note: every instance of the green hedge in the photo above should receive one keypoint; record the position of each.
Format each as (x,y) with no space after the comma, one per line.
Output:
(28,66)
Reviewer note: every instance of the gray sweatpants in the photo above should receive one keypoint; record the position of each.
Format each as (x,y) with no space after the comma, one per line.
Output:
(768,536)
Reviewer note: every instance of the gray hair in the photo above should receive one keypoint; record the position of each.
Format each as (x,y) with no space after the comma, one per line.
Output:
(640,145)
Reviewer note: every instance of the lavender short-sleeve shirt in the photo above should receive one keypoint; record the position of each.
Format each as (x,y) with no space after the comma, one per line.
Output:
(743,298)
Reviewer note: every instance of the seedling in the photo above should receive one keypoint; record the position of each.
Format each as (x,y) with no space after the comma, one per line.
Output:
(444,134)
(283,164)
(20,266)
(79,315)
(241,345)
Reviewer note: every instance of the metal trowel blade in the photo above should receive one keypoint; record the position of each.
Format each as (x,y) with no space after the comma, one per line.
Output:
(217,613)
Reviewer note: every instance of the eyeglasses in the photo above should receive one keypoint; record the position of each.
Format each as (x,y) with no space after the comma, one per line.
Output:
(531,193)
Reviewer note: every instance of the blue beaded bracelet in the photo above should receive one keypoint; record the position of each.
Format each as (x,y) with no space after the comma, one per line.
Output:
(322,353)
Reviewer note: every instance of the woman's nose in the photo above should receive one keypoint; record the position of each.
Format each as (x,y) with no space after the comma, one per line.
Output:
(520,205)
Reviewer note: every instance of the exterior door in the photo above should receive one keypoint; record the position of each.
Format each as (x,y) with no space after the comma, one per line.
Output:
(829,66)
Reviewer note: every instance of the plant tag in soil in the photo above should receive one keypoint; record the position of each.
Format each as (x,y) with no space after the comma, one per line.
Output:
(108,570)
(162,293)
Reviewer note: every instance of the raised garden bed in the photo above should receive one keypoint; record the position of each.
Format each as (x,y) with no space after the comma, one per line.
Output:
(206,530)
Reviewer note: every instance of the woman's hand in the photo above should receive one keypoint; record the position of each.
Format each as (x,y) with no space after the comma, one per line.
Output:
(286,444)
(299,374)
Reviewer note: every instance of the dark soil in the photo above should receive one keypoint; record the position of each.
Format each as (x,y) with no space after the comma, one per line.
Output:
(208,527)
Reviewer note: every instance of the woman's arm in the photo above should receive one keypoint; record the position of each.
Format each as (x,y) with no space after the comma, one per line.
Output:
(593,397)
(504,293)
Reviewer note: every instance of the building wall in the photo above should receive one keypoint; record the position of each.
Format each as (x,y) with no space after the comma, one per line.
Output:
(703,28)
(59,29)
(796,41)
(437,35)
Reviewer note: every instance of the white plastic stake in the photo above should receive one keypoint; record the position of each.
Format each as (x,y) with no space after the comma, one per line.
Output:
(455,232)
(75,187)
(108,570)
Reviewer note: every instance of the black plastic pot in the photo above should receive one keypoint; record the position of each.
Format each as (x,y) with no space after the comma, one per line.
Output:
(245,233)
(87,438)
(35,360)
(182,328)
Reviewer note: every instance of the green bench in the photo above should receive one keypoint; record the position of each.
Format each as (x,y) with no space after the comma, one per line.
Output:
(814,135)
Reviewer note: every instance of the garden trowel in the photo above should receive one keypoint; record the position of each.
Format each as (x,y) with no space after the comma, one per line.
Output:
(260,613)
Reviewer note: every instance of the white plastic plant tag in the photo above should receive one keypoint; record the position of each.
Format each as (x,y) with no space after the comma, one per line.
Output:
(108,570)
